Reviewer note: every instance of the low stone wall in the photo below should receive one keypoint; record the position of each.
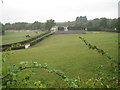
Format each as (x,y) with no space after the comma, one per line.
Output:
(25,41)
(114,31)
(71,32)
(33,42)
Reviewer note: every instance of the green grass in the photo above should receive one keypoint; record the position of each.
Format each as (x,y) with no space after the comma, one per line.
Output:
(67,53)
(12,37)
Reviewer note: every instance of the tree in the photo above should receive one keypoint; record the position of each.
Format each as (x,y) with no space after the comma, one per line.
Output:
(103,22)
(36,25)
(2,30)
(119,24)
(89,24)
(8,26)
(82,19)
(96,22)
(61,28)
(114,23)
(49,24)
(19,25)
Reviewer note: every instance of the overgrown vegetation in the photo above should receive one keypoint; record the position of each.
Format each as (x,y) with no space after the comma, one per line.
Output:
(111,76)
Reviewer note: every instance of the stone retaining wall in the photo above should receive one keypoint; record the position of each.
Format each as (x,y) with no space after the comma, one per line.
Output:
(71,31)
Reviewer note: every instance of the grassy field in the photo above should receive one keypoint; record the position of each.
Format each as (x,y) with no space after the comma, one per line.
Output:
(12,37)
(66,52)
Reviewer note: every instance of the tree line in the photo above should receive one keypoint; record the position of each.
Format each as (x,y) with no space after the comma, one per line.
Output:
(27,26)
(97,24)
(30,26)
(81,23)
(103,24)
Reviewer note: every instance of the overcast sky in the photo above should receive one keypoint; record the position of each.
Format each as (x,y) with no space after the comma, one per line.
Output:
(59,10)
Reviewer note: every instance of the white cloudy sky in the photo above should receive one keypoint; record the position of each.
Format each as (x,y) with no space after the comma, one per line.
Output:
(59,10)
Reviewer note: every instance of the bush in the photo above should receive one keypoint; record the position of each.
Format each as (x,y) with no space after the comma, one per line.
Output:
(94,28)
(60,28)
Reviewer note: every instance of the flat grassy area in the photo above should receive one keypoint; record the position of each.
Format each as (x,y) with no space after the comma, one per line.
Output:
(66,52)
(12,37)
